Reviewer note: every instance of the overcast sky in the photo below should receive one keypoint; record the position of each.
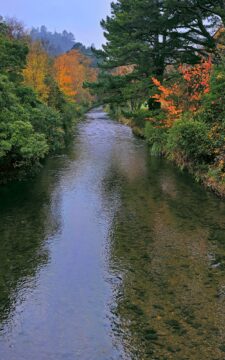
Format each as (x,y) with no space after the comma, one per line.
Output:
(81,17)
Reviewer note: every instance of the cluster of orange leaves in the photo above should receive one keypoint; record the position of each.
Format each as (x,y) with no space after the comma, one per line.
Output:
(165,98)
(197,78)
(69,70)
(185,94)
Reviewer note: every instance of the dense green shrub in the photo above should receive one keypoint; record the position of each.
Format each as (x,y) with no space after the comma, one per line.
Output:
(155,133)
(19,143)
(25,144)
(30,129)
(212,112)
(48,121)
(156,138)
(26,96)
(213,104)
(189,140)
(139,117)
(70,113)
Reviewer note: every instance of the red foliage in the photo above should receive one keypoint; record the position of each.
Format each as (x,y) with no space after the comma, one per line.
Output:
(197,79)
(185,95)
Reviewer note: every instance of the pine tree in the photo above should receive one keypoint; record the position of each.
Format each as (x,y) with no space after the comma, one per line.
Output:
(150,35)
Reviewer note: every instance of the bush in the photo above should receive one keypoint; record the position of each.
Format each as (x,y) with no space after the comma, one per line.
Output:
(213,104)
(49,122)
(156,137)
(70,113)
(27,144)
(139,117)
(20,145)
(189,140)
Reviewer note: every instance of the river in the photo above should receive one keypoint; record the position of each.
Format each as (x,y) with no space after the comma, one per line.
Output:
(111,254)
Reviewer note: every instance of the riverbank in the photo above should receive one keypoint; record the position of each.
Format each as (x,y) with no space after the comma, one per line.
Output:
(11,171)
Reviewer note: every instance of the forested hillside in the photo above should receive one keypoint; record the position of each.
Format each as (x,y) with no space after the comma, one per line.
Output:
(56,43)
(164,69)
(41,98)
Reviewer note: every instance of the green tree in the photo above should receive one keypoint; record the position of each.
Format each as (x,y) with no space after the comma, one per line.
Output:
(20,145)
(150,35)
(13,53)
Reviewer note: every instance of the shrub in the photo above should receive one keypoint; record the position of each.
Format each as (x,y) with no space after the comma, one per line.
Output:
(20,145)
(139,117)
(156,137)
(189,140)
(71,112)
(48,121)
(213,105)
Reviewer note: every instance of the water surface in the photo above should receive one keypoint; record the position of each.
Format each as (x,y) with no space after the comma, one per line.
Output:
(110,254)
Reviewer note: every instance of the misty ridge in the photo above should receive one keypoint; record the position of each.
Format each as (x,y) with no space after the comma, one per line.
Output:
(56,43)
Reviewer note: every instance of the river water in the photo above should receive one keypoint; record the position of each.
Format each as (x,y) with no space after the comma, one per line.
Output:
(110,254)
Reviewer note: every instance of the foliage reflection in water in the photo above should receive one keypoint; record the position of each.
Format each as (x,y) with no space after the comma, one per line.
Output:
(109,254)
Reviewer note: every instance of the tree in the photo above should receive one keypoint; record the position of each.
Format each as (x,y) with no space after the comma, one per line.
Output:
(185,93)
(35,117)
(37,70)
(13,52)
(16,29)
(150,35)
(55,43)
(20,145)
(71,71)
(213,10)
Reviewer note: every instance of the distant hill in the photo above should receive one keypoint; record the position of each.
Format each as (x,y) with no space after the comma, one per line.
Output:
(87,51)
(56,43)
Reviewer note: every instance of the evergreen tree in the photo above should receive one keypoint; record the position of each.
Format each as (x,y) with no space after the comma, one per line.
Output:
(150,35)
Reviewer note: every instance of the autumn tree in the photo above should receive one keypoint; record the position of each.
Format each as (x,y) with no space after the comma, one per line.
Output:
(37,70)
(71,71)
(196,80)
(186,93)
(166,97)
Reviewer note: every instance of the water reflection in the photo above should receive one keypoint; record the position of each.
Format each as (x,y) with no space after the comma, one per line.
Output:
(110,254)
(28,213)
(170,299)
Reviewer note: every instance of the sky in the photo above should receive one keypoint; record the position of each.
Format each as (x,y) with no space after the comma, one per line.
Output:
(81,17)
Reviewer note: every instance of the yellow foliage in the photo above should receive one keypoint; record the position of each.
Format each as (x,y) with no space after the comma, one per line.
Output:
(37,70)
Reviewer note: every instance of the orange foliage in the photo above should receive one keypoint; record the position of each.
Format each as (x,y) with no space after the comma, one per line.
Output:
(185,95)
(36,70)
(167,102)
(197,79)
(71,71)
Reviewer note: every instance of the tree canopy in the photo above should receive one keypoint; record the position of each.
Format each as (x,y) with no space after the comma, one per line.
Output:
(150,35)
